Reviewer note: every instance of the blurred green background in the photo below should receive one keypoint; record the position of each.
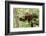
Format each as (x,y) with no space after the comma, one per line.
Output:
(20,12)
